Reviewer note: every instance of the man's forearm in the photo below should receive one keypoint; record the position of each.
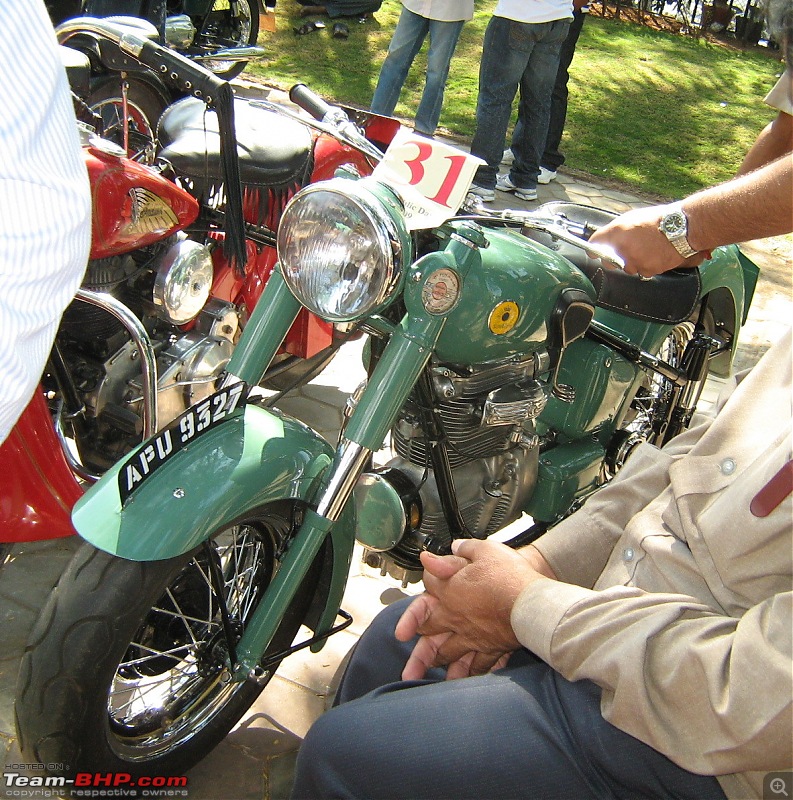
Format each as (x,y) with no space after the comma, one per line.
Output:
(752,206)
(537,560)
(775,140)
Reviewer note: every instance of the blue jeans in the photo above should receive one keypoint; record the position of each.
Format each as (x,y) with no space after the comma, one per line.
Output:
(409,35)
(516,55)
(523,731)
(553,158)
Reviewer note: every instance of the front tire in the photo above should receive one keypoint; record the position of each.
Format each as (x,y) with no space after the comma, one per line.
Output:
(126,669)
(145,105)
(222,30)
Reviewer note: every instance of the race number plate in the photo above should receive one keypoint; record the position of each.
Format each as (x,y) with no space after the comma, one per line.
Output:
(432,177)
(169,441)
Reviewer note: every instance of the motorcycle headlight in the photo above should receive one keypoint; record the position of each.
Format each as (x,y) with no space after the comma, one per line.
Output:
(183,281)
(342,245)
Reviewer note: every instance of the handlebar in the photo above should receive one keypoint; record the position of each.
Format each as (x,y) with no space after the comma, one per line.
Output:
(566,230)
(333,120)
(571,233)
(188,76)
(302,96)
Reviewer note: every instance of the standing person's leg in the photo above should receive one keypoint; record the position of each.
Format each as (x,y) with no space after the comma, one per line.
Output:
(523,731)
(534,109)
(552,158)
(505,53)
(408,37)
(443,40)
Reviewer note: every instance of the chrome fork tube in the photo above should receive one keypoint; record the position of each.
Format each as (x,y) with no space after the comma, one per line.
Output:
(348,464)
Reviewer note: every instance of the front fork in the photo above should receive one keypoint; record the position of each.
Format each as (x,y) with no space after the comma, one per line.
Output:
(400,366)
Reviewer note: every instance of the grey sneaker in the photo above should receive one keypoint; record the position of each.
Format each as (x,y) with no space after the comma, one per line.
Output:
(504,184)
(546,175)
(507,158)
(485,195)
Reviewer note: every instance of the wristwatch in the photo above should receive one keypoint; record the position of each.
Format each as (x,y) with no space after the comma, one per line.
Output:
(674,225)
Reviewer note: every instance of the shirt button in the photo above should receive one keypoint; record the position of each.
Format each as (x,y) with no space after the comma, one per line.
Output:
(627,554)
(728,466)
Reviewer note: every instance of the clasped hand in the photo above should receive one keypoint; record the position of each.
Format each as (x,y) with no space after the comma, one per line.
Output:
(463,617)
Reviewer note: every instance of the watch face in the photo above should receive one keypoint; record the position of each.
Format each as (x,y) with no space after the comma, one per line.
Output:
(673,223)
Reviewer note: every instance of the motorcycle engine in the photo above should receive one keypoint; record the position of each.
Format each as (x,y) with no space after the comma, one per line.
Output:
(165,287)
(487,416)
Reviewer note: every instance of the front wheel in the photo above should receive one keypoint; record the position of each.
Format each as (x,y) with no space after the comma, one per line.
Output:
(222,30)
(127,669)
(138,129)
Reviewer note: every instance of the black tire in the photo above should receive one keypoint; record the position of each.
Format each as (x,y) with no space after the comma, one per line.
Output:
(221,31)
(288,373)
(145,105)
(115,632)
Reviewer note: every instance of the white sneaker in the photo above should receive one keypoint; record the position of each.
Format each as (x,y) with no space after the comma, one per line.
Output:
(504,184)
(546,175)
(485,195)
(507,158)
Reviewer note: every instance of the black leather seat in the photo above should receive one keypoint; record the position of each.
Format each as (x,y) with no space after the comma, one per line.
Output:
(668,298)
(275,151)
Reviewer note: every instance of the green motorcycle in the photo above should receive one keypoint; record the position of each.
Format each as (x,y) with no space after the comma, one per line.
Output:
(511,376)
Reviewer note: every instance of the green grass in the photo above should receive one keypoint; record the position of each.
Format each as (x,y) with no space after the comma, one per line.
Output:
(657,112)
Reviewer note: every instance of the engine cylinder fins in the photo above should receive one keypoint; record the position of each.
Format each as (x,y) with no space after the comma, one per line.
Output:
(88,323)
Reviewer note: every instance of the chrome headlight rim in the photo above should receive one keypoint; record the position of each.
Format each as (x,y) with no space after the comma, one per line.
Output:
(382,209)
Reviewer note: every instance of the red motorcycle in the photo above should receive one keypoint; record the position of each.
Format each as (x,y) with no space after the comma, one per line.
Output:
(180,255)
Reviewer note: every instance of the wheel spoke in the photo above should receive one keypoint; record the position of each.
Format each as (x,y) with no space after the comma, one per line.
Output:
(155,654)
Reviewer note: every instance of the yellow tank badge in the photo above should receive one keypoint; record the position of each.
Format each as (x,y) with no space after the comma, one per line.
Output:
(504,317)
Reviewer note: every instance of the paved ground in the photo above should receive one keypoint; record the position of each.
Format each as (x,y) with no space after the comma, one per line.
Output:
(255,761)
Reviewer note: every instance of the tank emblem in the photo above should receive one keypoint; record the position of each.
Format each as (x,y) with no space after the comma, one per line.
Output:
(504,317)
(441,291)
(149,213)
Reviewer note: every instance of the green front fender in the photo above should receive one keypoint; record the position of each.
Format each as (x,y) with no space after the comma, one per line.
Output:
(251,459)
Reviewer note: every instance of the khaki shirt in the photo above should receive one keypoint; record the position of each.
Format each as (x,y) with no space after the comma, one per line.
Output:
(677,596)
(781,96)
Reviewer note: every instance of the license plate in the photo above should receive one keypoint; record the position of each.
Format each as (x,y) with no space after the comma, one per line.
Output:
(169,441)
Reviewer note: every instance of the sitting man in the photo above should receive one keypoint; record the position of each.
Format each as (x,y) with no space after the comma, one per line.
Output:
(640,648)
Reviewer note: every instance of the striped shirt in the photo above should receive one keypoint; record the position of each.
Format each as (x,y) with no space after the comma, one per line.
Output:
(45,202)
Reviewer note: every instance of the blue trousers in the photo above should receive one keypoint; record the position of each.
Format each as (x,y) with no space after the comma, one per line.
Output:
(409,35)
(521,732)
(553,158)
(516,55)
